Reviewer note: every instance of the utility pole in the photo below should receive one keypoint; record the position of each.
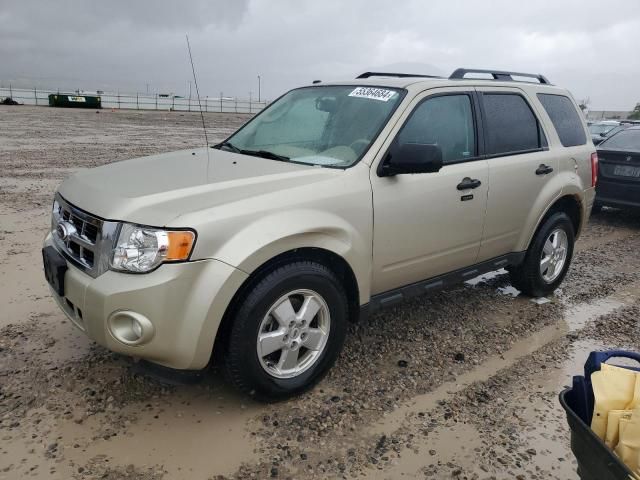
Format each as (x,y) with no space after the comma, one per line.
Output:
(259,82)
(147,89)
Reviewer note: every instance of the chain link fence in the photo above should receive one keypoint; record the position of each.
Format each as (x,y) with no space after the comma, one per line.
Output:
(139,101)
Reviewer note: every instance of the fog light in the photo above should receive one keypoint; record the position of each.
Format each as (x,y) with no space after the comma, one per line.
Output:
(130,328)
(137,328)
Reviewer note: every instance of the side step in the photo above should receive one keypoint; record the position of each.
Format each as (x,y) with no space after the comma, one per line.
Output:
(398,295)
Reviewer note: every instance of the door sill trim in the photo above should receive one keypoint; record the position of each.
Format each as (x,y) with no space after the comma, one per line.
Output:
(399,295)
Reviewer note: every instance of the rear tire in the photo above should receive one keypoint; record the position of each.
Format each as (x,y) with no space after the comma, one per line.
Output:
(548,258)
(272,326)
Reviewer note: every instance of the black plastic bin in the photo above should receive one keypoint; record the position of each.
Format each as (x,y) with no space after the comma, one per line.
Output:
(595,460)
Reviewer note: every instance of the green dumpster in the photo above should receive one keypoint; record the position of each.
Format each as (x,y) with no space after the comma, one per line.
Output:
(69,100)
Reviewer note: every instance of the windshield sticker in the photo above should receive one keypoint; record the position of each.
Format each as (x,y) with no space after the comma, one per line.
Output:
(381,94)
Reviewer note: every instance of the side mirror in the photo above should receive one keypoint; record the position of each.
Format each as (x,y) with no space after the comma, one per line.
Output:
(603,135)
(412,158)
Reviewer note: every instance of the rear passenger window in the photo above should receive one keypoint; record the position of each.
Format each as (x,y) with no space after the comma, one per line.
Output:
(510,124)
(565,119)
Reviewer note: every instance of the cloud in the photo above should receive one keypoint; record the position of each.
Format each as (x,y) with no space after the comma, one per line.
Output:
(125,45)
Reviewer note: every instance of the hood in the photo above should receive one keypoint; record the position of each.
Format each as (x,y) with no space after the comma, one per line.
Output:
(156,189)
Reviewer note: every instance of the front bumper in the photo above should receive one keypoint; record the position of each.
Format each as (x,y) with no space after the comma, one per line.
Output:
(185,302)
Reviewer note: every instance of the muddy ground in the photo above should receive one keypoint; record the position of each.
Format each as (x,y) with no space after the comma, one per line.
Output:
(461,384)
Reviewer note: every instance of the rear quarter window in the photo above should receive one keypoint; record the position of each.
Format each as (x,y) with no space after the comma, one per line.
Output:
(565,119)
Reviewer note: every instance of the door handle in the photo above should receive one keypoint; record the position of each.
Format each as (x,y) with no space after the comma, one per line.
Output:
(468,183)
(544,169)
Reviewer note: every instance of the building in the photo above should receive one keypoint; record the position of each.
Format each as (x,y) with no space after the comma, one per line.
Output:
(596,115)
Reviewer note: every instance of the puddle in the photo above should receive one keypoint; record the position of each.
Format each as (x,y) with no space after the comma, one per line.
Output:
(577,316)
(543,423)
(211,428)
(487,369)
(25,290)
(192,434)
(455,444)
(546,428)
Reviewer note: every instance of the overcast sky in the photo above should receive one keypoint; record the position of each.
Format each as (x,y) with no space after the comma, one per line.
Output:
(588,46)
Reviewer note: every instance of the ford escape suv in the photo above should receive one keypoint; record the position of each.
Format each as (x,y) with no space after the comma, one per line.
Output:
(336,200)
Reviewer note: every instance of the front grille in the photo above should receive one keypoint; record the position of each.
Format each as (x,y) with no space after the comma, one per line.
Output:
(84,239)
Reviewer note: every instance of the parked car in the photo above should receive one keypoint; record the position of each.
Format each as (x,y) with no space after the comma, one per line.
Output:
(336,200)
(619,170)
(615,130)
(600,130)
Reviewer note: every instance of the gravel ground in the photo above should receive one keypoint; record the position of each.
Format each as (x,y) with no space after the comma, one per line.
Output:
(460,384)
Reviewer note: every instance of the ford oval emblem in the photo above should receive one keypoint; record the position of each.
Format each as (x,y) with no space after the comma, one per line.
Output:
(65,230)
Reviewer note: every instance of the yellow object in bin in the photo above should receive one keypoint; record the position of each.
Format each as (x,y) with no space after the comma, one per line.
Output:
(613,389)
(628,448)
(635,402)
(613,427)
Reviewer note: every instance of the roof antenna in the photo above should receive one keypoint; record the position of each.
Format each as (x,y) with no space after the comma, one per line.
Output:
(195,81)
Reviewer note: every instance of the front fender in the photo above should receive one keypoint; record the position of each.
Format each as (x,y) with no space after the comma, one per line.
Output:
(278,233)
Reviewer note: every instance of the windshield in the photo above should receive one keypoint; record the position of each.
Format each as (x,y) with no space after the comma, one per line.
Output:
(600,128)
(329,125)
(628,139)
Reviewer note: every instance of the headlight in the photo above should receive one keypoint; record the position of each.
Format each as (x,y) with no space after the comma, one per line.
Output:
(141,249)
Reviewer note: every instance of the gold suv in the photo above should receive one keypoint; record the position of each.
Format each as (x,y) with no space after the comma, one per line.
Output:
(338,199)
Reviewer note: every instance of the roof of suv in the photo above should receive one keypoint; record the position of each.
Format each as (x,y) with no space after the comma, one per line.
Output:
(419,82)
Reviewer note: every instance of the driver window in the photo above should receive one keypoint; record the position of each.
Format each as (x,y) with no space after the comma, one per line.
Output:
(446,121)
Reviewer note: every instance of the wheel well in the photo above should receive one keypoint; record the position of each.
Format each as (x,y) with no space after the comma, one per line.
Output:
(336,263)
(572,207)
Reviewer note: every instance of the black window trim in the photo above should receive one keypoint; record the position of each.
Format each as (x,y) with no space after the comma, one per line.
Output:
(539,123)
(479,146)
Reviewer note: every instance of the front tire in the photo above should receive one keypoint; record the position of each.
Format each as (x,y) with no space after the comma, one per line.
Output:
(287,331)
(548,258)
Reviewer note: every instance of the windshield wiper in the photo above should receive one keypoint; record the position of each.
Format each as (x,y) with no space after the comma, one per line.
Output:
(255,153)
(265,154)
(228,145)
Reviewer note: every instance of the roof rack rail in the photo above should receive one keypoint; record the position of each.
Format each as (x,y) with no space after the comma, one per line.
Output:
(460,73)
(397,75)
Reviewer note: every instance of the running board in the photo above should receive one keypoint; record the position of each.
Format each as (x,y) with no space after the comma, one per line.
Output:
(398,295)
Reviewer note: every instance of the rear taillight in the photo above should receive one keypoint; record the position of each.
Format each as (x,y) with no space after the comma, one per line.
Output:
(594,169)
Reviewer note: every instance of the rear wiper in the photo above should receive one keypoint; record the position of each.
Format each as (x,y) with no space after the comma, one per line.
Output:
(265,154)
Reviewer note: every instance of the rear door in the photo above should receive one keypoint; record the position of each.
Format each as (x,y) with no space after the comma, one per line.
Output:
(520,166)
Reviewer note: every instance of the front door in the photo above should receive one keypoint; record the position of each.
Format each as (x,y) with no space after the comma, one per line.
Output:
(431,223)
